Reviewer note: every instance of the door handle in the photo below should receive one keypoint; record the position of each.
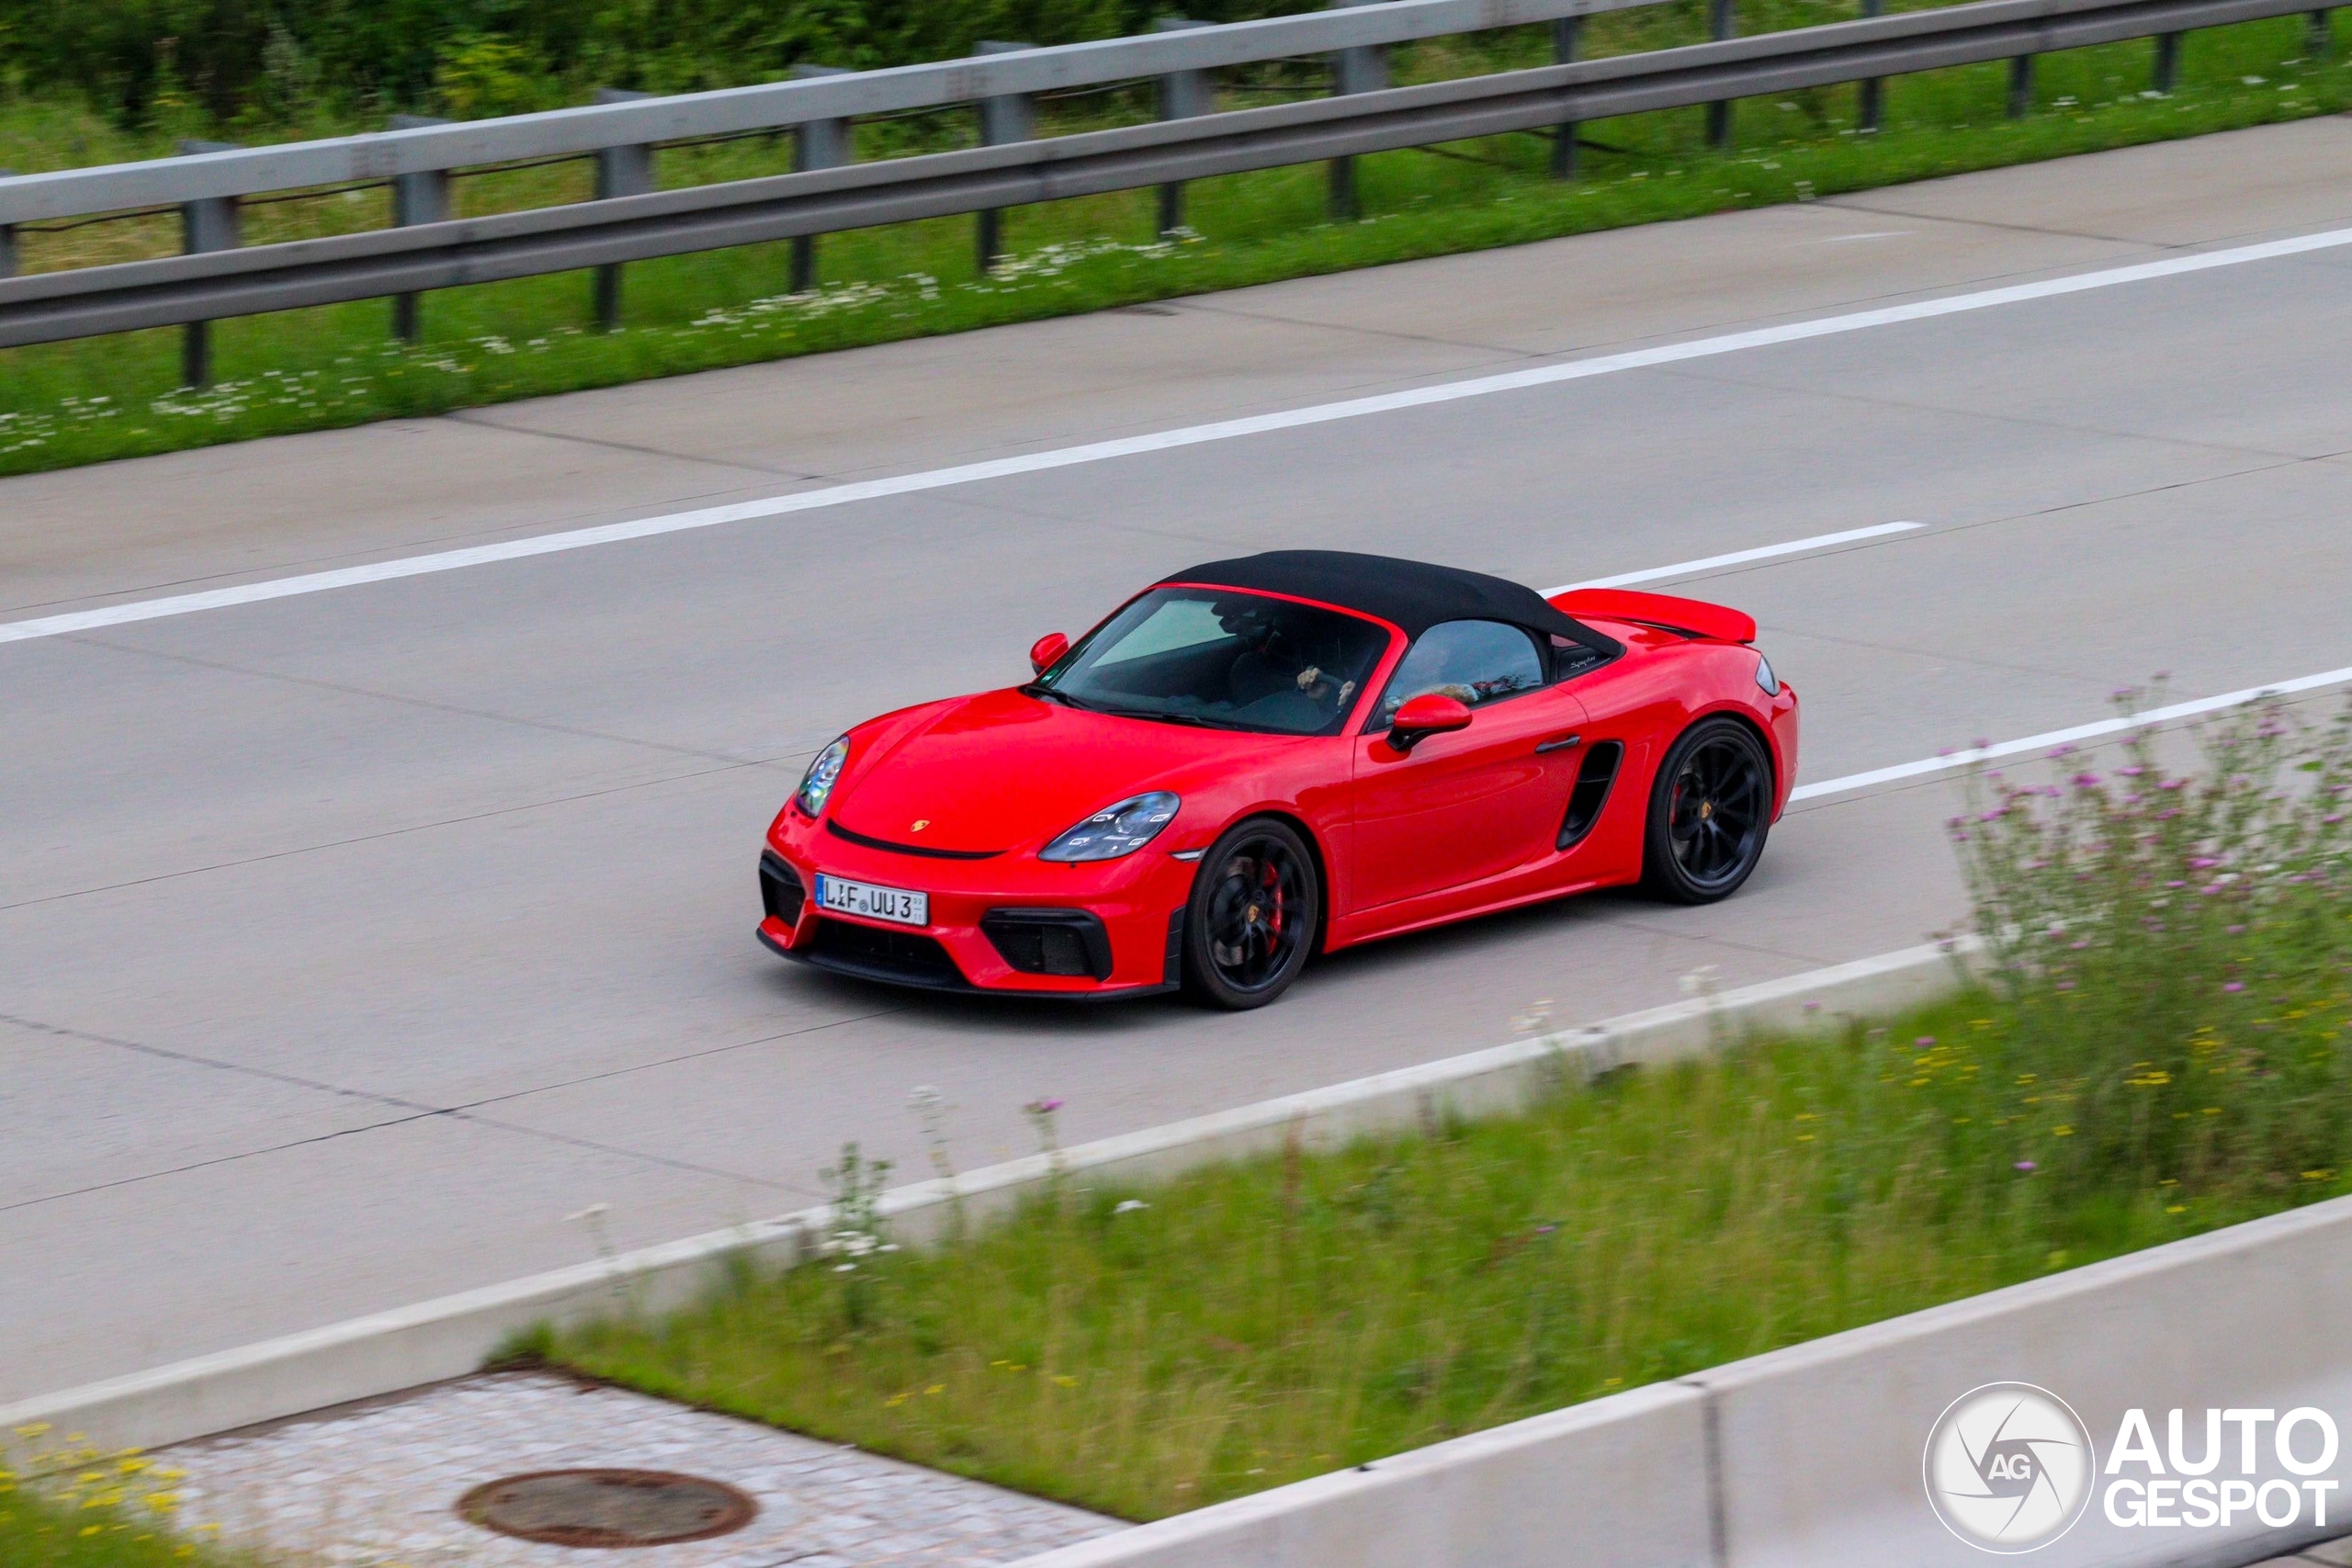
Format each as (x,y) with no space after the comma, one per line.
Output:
(1561,744)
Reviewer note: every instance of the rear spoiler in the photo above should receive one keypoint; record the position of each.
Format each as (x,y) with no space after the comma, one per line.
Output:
(1692,618)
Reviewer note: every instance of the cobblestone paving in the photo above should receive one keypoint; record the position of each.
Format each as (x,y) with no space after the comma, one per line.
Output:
(376,1485)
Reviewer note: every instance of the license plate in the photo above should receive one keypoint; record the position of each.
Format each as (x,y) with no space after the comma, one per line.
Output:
(894,904)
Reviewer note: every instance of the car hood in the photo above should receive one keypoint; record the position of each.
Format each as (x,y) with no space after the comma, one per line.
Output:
(1002,770)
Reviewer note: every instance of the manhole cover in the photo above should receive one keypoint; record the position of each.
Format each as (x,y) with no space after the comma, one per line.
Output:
(607,1508)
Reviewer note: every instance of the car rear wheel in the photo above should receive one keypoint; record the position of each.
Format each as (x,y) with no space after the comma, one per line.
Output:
(1710,810)
(1250,920)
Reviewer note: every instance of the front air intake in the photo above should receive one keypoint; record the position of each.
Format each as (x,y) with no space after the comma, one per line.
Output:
(905,958)
(780,891)
(1050,941)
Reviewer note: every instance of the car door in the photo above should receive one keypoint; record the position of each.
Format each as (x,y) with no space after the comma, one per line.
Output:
(1462,808)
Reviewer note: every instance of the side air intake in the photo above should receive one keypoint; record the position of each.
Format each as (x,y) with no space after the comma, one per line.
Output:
(1592,793)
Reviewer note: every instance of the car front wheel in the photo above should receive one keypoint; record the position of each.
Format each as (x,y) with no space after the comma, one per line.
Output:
(1710,809)
(1250,919)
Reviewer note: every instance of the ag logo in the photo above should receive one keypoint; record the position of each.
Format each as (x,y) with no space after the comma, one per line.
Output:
(2008,1467)
(920,823)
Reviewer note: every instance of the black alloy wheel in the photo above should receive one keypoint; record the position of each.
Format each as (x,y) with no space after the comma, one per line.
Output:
(1250,920)
(1710,810)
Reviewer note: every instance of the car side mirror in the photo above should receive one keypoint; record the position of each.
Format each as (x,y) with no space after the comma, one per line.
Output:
(1046,652)
(1431,713)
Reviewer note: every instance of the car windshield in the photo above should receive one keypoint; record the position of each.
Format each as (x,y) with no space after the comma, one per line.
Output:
(1224,659)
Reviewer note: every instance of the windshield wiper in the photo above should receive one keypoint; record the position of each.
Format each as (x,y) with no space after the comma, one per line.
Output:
(1194,719)
(1033,690)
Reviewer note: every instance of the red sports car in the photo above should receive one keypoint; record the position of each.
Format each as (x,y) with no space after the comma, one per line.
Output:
(1259,760)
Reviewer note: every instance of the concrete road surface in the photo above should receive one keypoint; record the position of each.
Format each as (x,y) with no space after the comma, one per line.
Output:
(351,941)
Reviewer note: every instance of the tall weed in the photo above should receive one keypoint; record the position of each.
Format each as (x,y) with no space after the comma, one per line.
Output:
(2172,955)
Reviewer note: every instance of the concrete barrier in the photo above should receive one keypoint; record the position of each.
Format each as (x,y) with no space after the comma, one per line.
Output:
(1821,1444)
(1811,1457)
(1620,1483)
(450,1336)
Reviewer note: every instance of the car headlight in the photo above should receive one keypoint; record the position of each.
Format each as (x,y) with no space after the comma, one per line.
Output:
(1115,830)
(1765,679)
(816,783)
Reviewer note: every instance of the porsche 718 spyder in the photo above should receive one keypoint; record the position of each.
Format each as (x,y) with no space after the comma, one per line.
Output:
(1256,760)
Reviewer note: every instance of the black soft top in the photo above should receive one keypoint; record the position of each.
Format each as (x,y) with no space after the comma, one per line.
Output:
(1414,594)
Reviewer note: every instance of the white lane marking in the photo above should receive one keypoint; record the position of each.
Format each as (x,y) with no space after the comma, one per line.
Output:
(1737,557)
(1165,440)
(1873,235)
(2049,738)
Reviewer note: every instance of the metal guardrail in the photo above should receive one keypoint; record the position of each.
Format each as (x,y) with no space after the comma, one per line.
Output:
(1005,72)
(196,287)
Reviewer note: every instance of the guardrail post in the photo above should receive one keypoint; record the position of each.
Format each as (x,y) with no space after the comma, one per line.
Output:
(2020,87)
(209,224)
(816,144)
(1568,36)
(1361,70)
(2323,33)
(2167,69)
(620,171)
(1003,119)
(1183,94)
(1722,22)
(1872,107)
(7,240)
(420,197)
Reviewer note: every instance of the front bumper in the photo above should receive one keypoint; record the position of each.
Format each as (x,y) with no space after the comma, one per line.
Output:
(1010,924)
(1780,713)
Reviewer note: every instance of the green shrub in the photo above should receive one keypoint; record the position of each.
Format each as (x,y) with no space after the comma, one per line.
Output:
(233,58)
(2171,958)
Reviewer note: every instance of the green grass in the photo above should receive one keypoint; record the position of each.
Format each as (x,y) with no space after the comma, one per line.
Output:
(63,404)
(1272,1320)
(112,1513)
(2164,1047)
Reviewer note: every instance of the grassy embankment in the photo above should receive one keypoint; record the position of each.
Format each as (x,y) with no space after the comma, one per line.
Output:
(69,403)
(2165,1046)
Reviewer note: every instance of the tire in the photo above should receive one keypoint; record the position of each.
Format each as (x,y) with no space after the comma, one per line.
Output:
(1711,808)
(1251,918)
